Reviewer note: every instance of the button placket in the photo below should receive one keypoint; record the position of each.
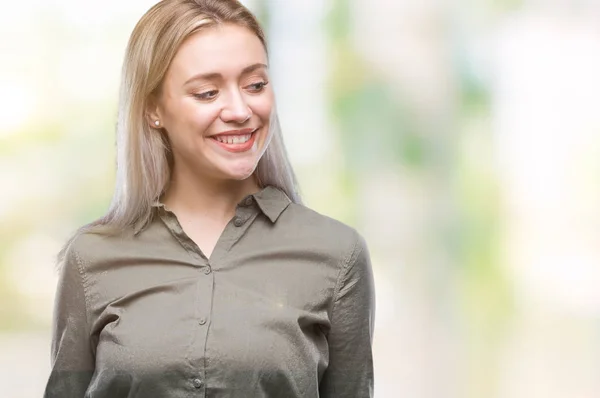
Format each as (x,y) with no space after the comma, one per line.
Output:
(207,271)
(202,316)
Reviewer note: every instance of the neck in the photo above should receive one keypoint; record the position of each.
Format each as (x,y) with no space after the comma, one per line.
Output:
(197,196)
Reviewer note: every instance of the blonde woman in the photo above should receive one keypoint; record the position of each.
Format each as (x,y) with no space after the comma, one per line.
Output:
(207,277)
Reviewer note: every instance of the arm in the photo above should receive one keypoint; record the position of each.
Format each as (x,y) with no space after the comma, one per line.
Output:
(350,370)
(72,359)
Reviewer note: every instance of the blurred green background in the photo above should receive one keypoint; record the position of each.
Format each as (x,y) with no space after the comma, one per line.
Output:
(460,138)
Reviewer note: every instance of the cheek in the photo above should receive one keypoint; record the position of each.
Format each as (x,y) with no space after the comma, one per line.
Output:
(200,116)
(192,119)
(262,106)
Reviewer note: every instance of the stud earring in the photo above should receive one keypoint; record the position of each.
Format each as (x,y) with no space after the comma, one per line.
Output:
(157,123)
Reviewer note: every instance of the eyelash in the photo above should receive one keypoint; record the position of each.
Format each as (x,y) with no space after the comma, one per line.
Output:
(261,84)
(206,96)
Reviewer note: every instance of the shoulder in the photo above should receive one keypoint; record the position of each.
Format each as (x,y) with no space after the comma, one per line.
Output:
(90,245)
(320,223)
(341,239)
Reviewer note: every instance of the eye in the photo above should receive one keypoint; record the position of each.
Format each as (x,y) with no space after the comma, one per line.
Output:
(207,95)
(257,87)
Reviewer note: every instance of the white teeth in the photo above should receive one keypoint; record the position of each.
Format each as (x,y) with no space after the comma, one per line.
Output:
(233,139)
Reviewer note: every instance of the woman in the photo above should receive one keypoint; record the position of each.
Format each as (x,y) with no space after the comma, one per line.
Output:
(207,277)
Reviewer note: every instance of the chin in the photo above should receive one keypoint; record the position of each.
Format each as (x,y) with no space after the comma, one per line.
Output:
(241,172)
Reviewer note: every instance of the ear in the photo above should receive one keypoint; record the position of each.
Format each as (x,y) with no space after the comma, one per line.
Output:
(153,113)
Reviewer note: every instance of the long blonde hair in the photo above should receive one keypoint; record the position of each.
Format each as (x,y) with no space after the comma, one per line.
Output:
(143,158)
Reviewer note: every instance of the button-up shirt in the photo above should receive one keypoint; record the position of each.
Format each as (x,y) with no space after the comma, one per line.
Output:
(284,307)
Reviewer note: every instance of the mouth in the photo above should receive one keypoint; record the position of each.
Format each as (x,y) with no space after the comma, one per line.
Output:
(236,140)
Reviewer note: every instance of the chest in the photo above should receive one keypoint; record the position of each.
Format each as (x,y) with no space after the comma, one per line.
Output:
(245,322)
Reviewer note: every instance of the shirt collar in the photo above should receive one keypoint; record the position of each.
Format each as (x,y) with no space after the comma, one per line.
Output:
(272,202)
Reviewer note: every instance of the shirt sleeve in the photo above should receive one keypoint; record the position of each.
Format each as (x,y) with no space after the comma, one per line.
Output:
(72,358)
(350,370)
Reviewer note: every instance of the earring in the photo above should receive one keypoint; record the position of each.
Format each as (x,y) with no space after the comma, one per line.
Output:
(157,123)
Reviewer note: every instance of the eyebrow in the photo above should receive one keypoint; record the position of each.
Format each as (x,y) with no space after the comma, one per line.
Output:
(216,75)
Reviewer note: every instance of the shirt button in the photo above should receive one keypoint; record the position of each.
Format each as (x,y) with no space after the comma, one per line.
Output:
(202,321)
(248,201)
(238,222)
(207,270)
(197,383)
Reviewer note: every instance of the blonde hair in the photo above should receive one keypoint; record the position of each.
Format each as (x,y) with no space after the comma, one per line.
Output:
(143,157)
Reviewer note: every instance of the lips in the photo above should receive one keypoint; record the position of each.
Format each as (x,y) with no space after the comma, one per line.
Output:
(235,140)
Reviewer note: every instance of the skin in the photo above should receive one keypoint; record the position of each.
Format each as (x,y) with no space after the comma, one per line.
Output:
(217,82)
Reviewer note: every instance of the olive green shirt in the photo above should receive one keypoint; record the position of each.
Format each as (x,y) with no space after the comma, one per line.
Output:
(284,307)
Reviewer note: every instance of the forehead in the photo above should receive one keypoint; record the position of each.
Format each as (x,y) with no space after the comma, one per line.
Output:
(224,49)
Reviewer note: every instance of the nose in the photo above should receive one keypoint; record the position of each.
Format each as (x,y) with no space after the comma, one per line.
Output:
(236,110)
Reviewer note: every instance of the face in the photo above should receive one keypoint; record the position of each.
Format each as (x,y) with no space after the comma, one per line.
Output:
(216,102)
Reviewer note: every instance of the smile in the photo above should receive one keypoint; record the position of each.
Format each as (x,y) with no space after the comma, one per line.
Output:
(233,139)
(236,141)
